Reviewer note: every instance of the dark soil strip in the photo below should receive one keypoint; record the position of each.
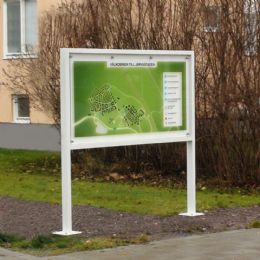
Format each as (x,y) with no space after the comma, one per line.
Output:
(34,218)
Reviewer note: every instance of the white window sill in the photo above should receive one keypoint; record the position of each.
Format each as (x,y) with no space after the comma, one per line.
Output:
(23,120)
(211,29)
(250,53)
(12,56)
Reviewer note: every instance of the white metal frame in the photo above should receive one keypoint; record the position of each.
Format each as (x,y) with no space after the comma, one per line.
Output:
(69,142)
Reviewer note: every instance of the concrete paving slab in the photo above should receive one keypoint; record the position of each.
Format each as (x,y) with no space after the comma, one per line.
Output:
(11,255)
(232,245)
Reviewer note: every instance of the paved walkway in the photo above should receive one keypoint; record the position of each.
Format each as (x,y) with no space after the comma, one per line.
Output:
(235,245)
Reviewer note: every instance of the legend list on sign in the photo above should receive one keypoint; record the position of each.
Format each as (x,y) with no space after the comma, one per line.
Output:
(172,99)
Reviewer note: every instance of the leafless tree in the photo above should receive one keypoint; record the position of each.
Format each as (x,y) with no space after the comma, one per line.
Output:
(225,36)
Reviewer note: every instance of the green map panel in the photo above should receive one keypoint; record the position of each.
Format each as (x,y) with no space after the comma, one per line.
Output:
(113,101)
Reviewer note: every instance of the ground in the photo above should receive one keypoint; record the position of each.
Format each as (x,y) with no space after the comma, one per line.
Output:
(231,245)
(35,218)
(108,214)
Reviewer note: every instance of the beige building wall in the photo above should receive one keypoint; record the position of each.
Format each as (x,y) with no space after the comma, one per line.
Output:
(6,105)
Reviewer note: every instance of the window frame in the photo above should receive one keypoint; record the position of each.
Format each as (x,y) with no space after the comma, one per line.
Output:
(211,29)
(24,53)
(251,9)
(15,107)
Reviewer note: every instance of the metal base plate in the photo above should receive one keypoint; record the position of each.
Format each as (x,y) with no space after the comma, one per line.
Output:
(191,214)
(67,233)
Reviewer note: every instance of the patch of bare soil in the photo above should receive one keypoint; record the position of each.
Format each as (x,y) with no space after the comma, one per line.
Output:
(29,219)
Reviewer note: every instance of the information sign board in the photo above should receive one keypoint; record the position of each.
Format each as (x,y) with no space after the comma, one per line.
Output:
(125,97)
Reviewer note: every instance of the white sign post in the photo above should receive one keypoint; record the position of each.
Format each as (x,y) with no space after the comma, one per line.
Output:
(137,59)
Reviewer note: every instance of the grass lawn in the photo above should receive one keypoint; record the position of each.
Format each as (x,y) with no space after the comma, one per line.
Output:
(55,245)
(35,176)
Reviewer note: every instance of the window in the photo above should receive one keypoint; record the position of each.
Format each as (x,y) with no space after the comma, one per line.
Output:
(211,18)
(20,26)
(251,26)
(251,34)
(21,109)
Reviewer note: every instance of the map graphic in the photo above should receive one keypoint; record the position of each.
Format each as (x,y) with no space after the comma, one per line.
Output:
(132,116)
(102,100)
(128,100)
